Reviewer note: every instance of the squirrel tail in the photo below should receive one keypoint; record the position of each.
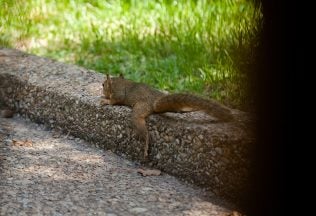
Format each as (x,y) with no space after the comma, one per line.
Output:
(186,103)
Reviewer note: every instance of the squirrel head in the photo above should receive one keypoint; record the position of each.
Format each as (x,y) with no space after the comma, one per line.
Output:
(108,85)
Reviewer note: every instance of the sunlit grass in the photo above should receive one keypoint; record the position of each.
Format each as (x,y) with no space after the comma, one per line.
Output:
(193,46)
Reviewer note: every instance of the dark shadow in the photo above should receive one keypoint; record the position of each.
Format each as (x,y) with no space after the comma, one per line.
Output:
(270,75)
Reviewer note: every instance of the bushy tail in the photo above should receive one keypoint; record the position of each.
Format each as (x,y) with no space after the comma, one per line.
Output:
(187,102)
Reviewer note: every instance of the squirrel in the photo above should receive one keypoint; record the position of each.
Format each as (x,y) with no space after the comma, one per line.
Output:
(145,100)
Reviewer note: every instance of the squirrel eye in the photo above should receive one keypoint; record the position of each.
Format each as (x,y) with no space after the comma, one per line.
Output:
(103,84)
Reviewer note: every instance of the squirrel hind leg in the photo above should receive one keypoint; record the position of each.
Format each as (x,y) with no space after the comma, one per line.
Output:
(139,114)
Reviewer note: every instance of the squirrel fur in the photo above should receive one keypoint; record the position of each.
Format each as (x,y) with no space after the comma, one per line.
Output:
(145,100)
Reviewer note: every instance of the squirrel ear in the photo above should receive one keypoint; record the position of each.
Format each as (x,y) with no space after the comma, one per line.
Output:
(121,76)
(108,82)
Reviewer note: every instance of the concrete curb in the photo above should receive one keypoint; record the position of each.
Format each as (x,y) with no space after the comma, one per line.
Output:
(190,146)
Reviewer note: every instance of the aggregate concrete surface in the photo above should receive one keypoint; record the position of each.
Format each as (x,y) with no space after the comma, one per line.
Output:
(45,172)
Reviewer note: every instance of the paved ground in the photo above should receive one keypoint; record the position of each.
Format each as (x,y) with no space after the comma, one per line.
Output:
(43,172)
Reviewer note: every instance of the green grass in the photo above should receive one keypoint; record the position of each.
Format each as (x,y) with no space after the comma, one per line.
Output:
(202,47)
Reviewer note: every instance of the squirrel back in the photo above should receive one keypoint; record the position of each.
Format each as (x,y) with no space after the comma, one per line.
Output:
(121,91)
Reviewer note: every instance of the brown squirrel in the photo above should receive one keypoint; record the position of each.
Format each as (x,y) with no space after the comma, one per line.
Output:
(145,100)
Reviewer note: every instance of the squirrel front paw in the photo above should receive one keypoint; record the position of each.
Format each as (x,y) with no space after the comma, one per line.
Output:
(104,101)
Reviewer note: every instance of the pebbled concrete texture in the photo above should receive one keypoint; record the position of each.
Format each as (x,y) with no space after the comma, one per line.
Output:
(44,172)
(191,146)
